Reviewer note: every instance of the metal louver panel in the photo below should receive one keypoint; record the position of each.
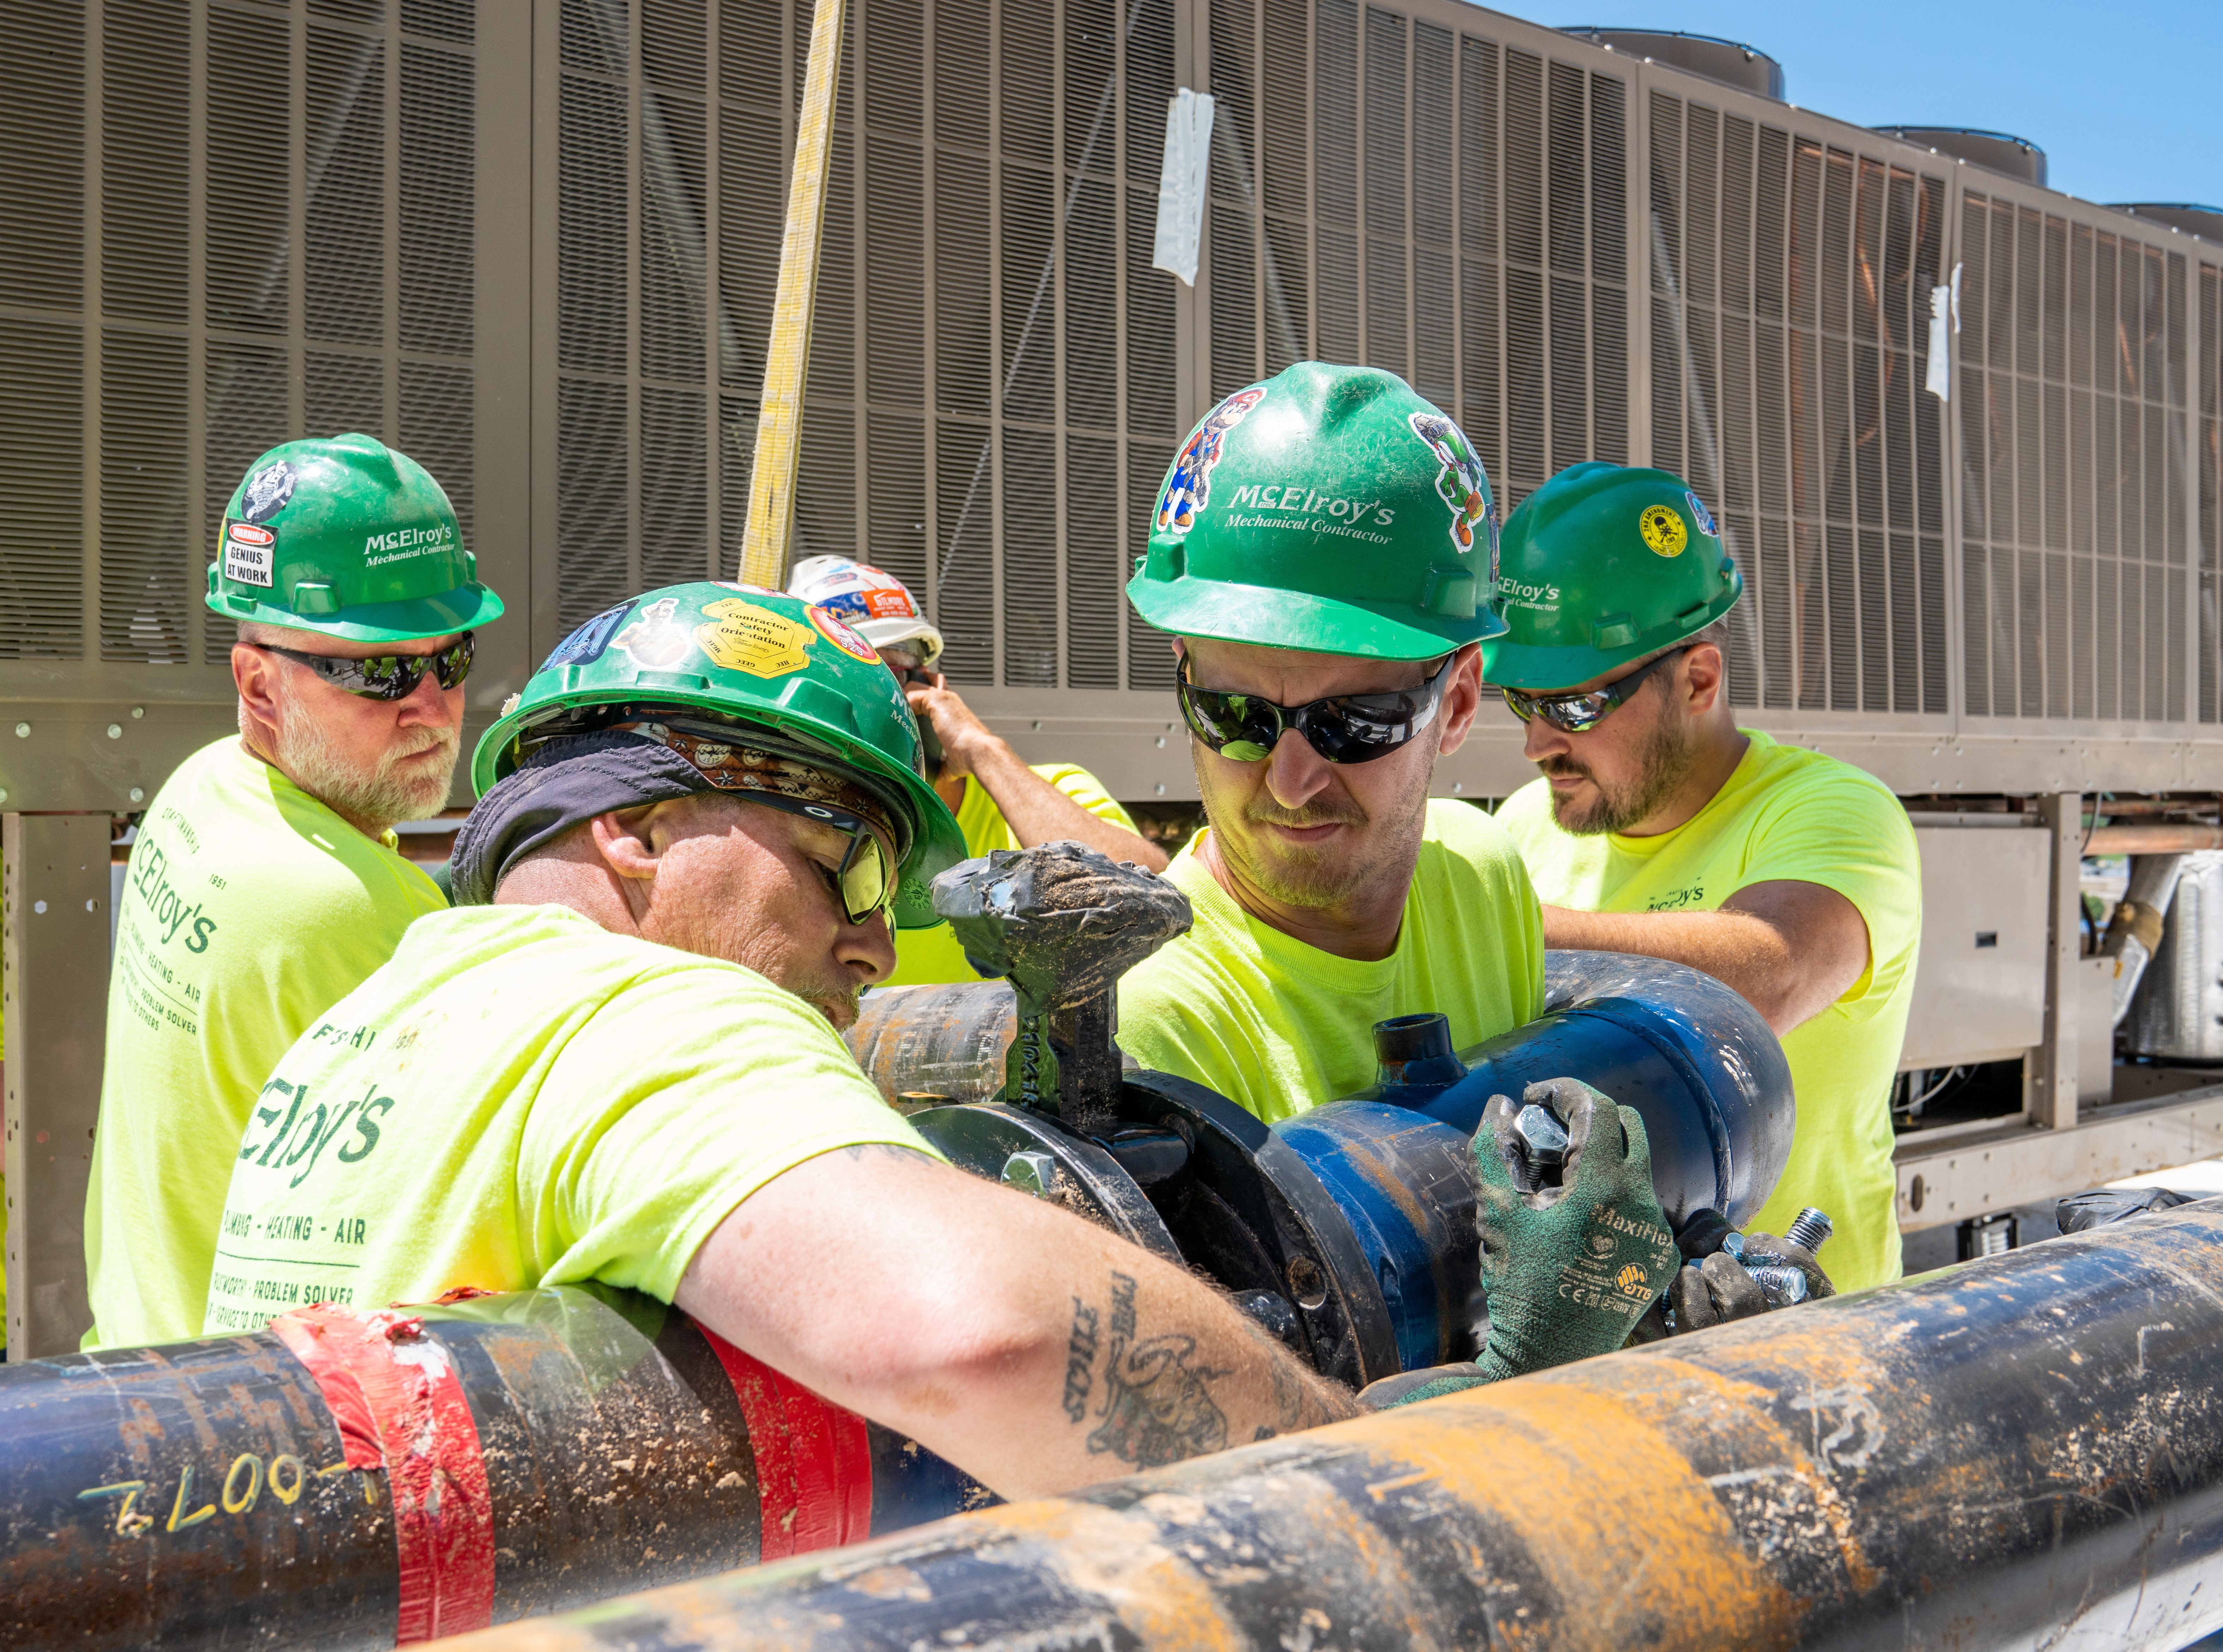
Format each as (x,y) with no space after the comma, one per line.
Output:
(2207,443)
(2073,412)
(1790,285)
(1454,212)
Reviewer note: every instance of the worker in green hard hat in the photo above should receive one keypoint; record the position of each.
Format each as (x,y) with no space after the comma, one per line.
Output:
(616,1059)
(266,880)
(1661,826)
(1001,801)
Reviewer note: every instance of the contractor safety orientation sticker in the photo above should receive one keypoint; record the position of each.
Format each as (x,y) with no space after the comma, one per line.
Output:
(1663,529)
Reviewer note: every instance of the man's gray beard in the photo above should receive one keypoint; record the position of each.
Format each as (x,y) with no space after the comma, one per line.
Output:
(1662,767)
(380,796)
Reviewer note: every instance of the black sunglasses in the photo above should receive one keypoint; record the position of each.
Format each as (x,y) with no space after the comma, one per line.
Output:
(864,883)
(1341,728)
(1578,713)
(385,676)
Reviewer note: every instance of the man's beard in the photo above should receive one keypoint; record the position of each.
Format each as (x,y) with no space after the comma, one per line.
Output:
(1309,876)
(378,795)
(1662,766)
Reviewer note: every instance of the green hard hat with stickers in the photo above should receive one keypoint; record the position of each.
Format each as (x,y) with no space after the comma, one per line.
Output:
(1329,508)
(1602,566)
(808,686)
(345,536)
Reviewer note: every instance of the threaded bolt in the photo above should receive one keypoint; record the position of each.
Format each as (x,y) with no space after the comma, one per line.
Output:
(1811,1231)
(1783,1286)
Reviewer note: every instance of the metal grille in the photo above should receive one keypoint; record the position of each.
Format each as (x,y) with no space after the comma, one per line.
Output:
(2208,438)
(157,329)
(2072,395)
(1790,285)
(1388,190)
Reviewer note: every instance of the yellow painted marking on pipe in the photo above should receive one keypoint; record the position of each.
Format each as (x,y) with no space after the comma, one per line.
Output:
(180,1520)
(129,1521)
(1382,1489)
(787,356)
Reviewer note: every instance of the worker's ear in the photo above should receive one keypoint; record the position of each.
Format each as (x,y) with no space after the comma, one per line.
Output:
(1462,699)
(1704,677)
(629,841)
(254,674)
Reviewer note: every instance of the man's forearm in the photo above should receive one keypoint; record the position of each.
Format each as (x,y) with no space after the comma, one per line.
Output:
(1039,813)
(1744,952)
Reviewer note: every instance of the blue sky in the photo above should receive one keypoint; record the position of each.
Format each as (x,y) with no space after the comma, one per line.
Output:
(2125,98)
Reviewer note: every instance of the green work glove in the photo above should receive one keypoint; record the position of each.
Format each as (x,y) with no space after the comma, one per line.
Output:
(1567,1271)
(1429,1382)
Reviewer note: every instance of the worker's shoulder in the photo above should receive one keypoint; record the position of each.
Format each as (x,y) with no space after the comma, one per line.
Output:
(1211,954)
(1462,835)
(1787,780)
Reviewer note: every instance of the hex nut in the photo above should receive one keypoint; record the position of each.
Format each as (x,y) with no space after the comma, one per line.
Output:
(1032,1172)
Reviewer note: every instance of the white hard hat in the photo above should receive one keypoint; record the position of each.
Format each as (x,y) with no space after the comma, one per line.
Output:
(875,603)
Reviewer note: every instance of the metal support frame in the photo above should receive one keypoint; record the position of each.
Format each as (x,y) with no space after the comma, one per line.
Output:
(53,978)
(2053,1074)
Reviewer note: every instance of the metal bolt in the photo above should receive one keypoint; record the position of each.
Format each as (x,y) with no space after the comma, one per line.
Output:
(23,731)
(1783,1285)
(116,731)
(138,794)
(1306,1283)
(1812,1230)
(1162,740)
(1034,1173)
(138,711)
(1544,1136)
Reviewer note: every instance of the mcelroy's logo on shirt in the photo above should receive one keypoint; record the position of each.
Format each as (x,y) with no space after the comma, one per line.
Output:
(305,1128)
(1678,900)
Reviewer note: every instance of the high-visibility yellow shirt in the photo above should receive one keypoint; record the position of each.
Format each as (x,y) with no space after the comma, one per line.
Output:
(1280,1027)
(1784,813)
(249,909)
(929,957)
(521,1098)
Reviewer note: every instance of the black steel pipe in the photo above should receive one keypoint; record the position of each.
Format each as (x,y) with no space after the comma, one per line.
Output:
(2022,1452)
(200,1494)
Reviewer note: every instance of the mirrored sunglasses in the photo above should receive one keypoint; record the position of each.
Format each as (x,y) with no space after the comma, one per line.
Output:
(1341,728)
(1578,713)
(385,676)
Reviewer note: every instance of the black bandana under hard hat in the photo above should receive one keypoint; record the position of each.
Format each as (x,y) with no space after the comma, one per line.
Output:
(570,780)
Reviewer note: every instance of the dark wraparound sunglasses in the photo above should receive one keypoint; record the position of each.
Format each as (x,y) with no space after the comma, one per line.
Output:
(1578,713)
(1343,728)
(385,676)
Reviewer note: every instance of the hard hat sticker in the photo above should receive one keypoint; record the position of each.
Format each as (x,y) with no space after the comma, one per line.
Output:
(585,645)
(1188,487)
(841,637)
(654,639)
(267,492)
(1663,529)
(747,638)
(249,553)
(1701,515)
(1461,483)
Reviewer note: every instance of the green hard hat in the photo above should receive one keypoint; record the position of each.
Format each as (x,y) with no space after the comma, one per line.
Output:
(1329,508)
(1600,566)
(344,535)
(798,674)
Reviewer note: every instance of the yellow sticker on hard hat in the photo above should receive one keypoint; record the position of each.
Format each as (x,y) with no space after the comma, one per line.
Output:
(1663,529)
(747,638)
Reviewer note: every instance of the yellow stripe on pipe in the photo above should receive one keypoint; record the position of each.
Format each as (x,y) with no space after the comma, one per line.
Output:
(787,358)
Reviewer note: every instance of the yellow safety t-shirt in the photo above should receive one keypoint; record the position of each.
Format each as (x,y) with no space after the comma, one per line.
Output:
(1784,813)
(929,957)
(1280,1027)
(249,909)
(521,1098)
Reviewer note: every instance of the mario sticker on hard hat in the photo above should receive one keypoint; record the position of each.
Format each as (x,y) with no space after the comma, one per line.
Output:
(1460,484)
(841,637)
(861,591)
(654,640)
(1662,529)
(1188,488)
(585,645)
(267,492)
(747,638)
(1701,515)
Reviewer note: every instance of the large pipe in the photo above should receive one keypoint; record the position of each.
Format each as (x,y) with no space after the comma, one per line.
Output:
(2022,1452)
(2155,838)
(233,1492)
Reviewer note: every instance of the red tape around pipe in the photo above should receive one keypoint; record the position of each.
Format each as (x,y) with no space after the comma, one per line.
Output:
(813,1460)
(400,1407)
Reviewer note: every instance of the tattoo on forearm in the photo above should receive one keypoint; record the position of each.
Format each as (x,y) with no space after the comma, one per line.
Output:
(1156,1409)
(1081,1361)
